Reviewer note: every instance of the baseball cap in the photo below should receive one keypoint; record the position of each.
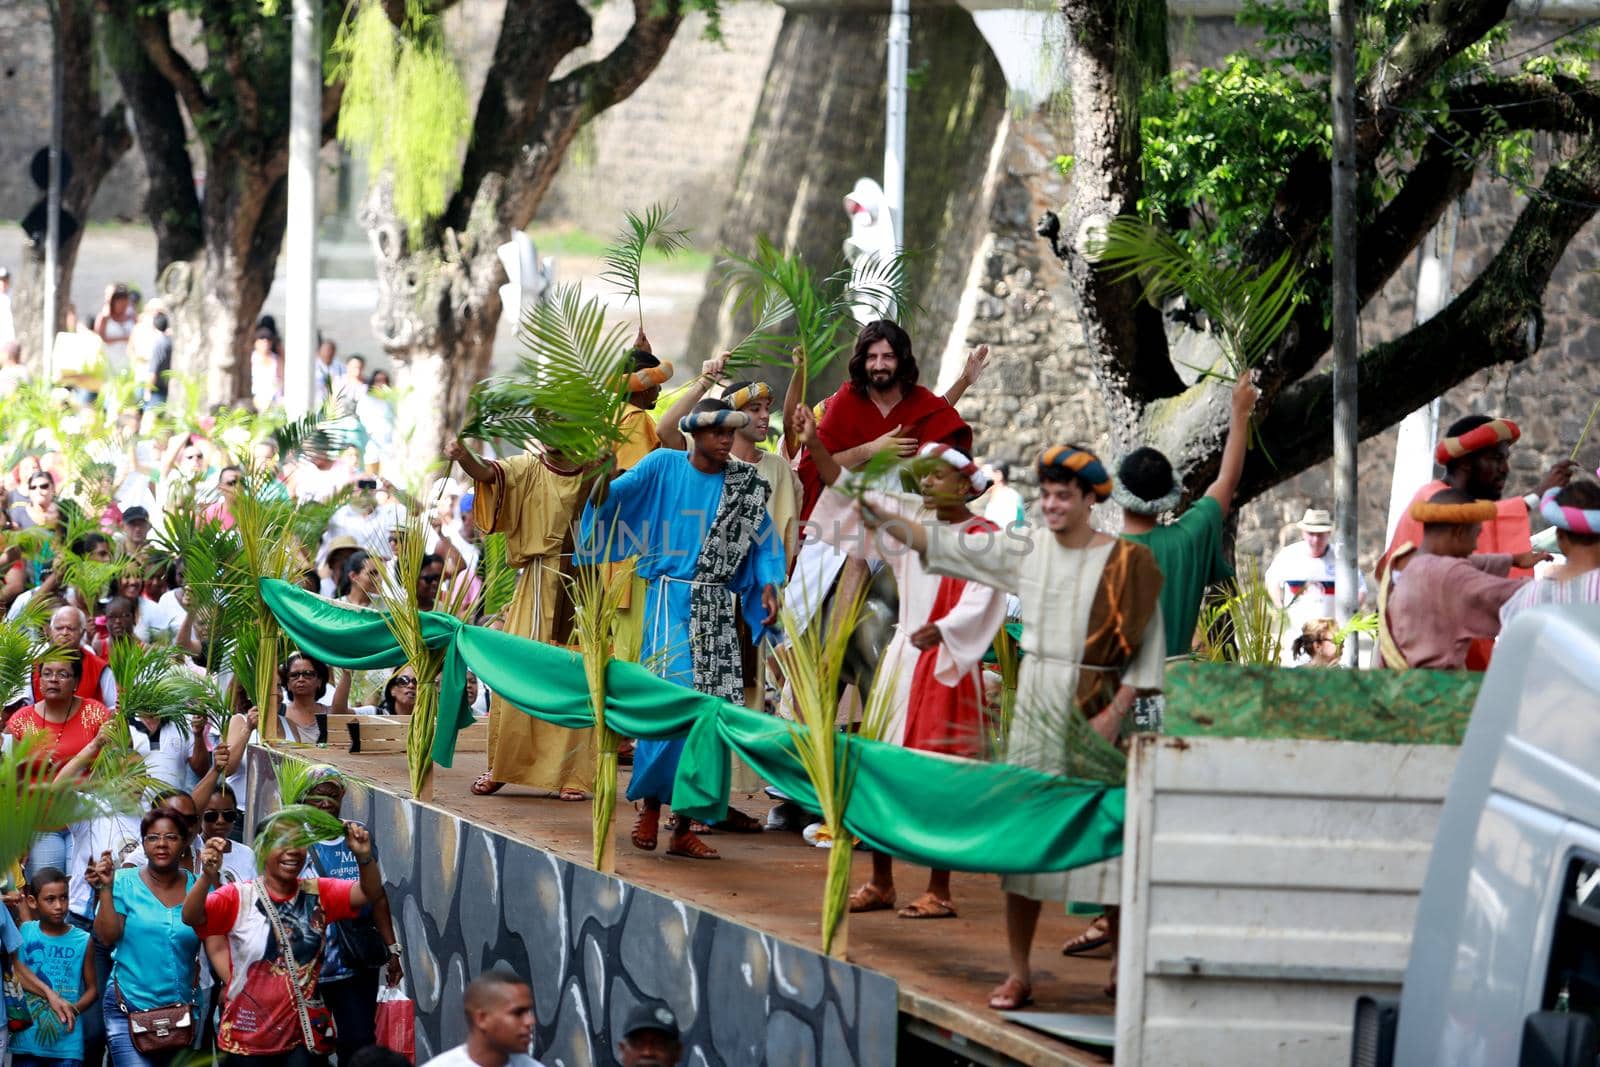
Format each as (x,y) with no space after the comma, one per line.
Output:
(466,501)
(136,513)
(651,1017)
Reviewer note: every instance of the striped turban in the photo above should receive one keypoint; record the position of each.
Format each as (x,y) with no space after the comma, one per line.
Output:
(1080,462)
(741,395)
(1568,517)
(960,461)
(645,377)
(712,419)
(1491,433)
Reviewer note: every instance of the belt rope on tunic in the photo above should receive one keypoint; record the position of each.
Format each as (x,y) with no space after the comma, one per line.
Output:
(1386,642)
(714,643)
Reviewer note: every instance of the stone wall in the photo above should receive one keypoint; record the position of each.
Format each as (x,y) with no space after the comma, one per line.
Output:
(680,136)
(819,127)
(594,947)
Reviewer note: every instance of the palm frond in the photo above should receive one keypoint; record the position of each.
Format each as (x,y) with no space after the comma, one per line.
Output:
(295,826)
(326,431)
(624,258)
(35,803)
(397,599)
(21,651)
(294,779)
(569,390)
(151,683)
(1241,624)
(1248,313)
(499,577)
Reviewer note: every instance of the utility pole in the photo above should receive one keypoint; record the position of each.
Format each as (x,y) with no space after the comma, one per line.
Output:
(1346,312)
(305,138)
(52,232)
(894,140)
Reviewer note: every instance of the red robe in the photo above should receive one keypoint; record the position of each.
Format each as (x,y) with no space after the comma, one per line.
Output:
(947,718)
(850,418)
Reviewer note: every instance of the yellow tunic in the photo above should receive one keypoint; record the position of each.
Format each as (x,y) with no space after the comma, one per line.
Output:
(642,440)
(534,507)
(783,505)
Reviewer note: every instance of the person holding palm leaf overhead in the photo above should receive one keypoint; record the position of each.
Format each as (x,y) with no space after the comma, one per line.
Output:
(532,499)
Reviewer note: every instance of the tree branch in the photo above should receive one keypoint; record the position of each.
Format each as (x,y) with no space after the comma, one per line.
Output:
(1442,173)
(1489,323)
(155,35)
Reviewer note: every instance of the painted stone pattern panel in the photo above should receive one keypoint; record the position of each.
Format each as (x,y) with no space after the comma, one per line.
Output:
(593,947)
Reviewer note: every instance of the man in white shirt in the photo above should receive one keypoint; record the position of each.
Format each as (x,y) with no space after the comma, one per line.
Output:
(499,1010)
(1301,578)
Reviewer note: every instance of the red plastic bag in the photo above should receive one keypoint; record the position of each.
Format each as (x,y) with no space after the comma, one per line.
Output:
(396,1021)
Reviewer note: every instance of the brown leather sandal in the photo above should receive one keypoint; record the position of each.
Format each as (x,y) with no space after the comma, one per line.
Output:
(870,898)
(928,906)
(646,828)
(485,786)
(685,843)
(1011,995)
(1096,935)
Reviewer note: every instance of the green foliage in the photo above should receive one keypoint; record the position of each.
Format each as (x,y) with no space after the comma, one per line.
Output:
(295,826)
(569,389)
(405,107)
(642,233)
(793,306)
(1247,313)
(34,803)
(1241,624)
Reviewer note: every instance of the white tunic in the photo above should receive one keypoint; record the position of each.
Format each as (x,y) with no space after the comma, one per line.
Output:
(1057,586)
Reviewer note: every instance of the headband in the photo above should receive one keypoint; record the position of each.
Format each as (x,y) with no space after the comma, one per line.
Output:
(962,463)
(1430,514)
(744,396)
(1566,517)
(645,377)
(1084,464)
(1491,433)
(1132,502)
(722,418)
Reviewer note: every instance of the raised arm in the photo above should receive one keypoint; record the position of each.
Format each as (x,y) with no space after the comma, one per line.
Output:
(108,923)
(969,375)
(194,905)
(667,427)
(341,693)
(1245,395)
(370,889)
(794,398)
(475,466)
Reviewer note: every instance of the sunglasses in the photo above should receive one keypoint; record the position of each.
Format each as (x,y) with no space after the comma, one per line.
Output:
(41,485)
(302,674)
(409,683)
(220,816)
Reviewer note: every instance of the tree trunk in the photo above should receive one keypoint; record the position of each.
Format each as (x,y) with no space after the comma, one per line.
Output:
(94,142)
(439,300)
(215,298)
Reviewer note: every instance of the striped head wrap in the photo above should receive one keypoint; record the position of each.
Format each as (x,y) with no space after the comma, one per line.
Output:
(1430,514)
(323,774)
(723,418)
(645,377)
(961,462)
(1566,517)
(1491,433)
(742,394)
(1079,461)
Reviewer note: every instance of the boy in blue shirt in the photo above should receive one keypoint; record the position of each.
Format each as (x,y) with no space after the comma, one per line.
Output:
(54,965)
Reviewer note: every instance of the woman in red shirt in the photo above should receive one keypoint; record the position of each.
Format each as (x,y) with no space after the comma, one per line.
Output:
(70,722)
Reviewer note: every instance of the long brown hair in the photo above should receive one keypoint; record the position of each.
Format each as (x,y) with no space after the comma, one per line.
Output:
(905,361)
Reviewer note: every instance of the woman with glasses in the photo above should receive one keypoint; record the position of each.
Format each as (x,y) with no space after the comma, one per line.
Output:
(154,953)
(399,695)
(304,718)
(70,723)
(40,508)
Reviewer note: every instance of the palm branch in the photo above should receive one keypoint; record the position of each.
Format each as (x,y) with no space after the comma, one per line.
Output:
(569,390)
(1247,313)
(1241,624)
(325,431)
(795,307)
(812,661)
(295,826)
(35,803)
(397,599)
(294,779)
(624,258)
(150,684)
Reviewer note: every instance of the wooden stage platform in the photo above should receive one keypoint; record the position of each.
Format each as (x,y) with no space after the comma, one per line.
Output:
(773,882)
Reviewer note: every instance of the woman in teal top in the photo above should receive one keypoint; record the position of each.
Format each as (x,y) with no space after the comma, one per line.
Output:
(139,913)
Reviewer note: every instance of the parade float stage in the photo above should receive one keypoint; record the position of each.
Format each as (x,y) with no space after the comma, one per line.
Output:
(916,986)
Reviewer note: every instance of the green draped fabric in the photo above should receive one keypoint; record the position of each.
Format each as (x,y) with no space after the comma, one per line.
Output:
(929,809)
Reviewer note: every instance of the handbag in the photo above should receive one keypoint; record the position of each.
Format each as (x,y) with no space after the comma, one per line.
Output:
(162,1029)
(294,972)
(359,942)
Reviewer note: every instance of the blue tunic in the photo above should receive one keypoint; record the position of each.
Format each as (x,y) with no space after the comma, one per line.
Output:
(661,510)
